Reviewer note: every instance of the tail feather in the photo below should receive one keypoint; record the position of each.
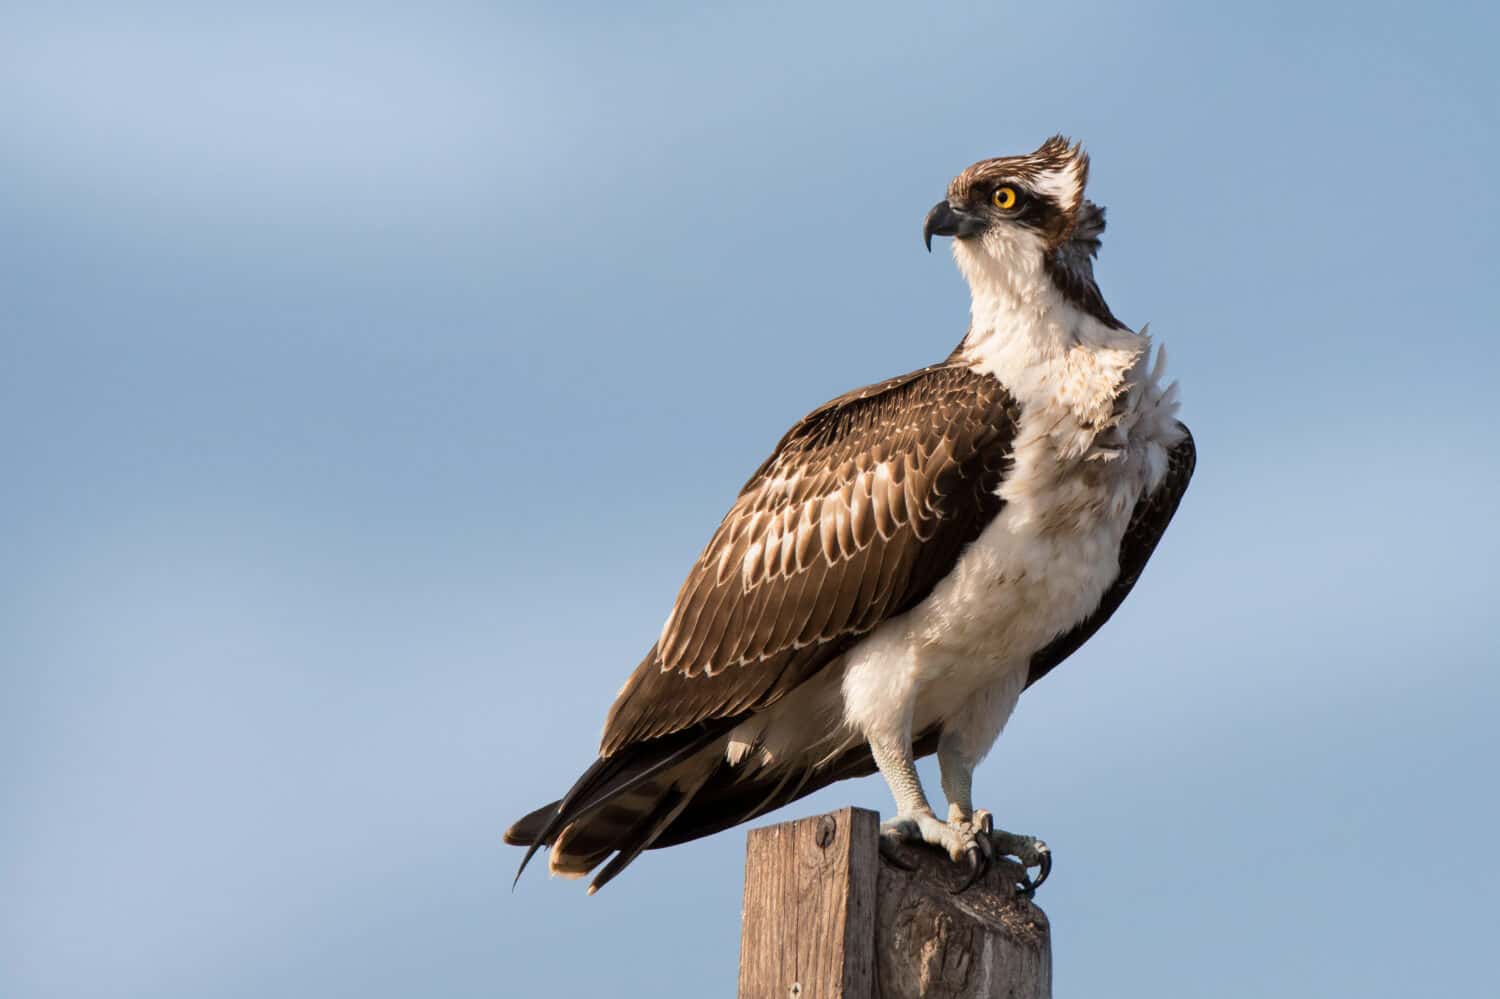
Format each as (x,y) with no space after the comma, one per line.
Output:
(662,815)
(612,776)
(528,828)
(645,831)
(587,843)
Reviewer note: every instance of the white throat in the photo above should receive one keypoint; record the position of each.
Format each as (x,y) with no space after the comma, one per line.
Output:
(1047,352)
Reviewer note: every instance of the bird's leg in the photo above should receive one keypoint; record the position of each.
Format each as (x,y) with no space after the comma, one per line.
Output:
(914,821)
(958,782)
(957,770)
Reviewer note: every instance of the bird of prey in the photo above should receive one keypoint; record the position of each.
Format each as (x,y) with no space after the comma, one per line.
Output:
(910,558)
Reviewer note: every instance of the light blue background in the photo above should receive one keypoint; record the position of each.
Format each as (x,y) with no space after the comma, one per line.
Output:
(369,378)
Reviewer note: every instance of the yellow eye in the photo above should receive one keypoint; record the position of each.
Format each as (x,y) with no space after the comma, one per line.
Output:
(1004,197)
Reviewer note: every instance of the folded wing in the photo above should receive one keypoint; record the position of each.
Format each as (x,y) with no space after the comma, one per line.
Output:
(865,504)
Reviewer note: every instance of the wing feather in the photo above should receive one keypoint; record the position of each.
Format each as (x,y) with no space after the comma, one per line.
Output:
(788,623)
(880,503)
(864,505)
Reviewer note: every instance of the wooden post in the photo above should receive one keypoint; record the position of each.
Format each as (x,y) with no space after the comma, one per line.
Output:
(826,917)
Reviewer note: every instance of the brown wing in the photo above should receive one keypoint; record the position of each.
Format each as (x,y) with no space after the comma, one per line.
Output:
(864,505)
(1148,521)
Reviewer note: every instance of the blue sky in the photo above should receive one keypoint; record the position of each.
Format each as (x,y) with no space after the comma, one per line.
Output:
(370,376)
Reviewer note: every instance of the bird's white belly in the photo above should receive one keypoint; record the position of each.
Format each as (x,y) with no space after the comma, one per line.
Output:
(1037,570)
(1014,590)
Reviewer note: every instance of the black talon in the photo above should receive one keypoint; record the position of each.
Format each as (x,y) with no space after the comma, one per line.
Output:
(1046,869)
(978,865)
(1028,886)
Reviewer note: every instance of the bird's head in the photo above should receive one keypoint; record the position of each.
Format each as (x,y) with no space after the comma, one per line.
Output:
(1013,207)
(1021,219)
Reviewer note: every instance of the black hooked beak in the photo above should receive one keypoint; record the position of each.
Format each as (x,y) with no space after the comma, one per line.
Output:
(945,220)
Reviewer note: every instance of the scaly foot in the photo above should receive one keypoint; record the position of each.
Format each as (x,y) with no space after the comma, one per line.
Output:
(973,842)
(965,843)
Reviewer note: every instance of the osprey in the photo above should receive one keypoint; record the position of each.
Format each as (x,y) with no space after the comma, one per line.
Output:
(911,557)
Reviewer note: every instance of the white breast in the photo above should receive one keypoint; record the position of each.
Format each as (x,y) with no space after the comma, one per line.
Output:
(1038,569)
(1082,458)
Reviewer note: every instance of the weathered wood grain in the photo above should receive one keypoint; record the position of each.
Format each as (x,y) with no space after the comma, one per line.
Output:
(809,914)
(827,918)
(987,942)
